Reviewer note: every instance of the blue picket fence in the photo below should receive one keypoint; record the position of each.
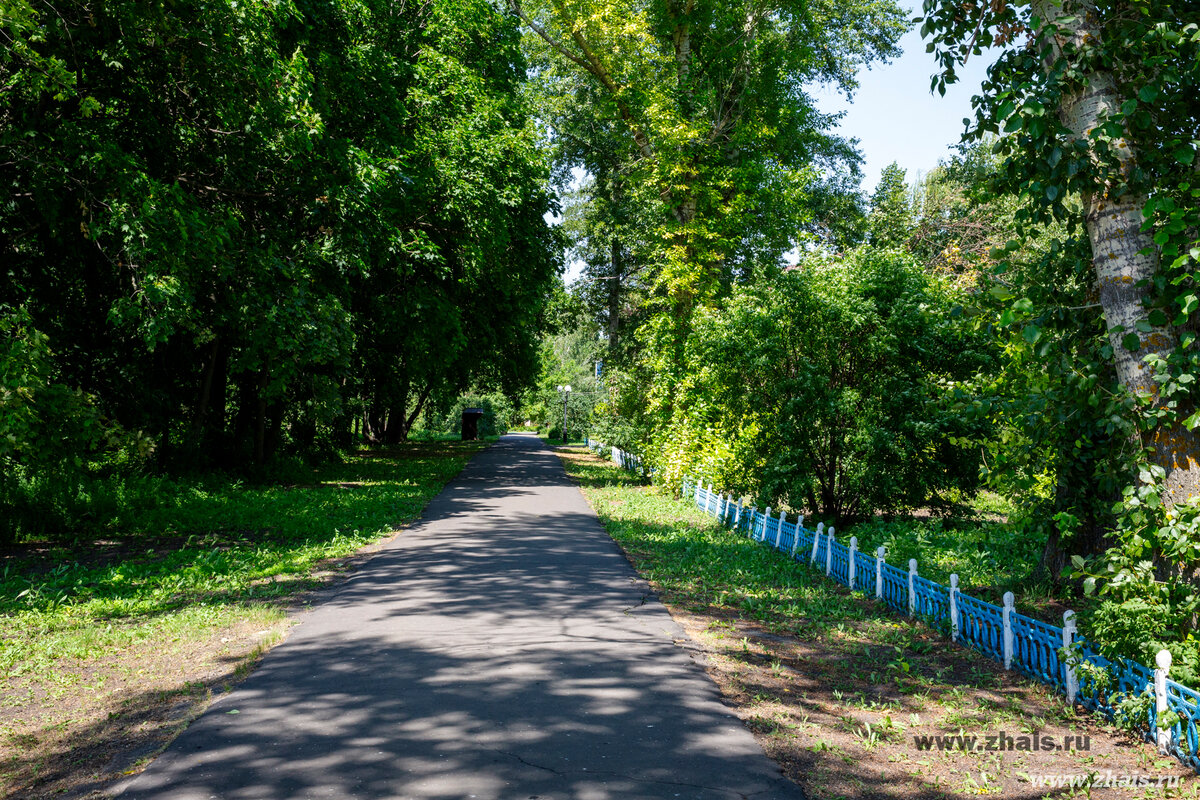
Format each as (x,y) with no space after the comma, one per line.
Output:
(1033,647)
(1056,656)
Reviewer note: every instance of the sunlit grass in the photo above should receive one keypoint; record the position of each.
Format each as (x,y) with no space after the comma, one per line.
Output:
(698,564)
(207,553)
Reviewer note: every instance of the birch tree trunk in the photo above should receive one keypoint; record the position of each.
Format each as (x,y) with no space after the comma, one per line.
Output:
(1124,257)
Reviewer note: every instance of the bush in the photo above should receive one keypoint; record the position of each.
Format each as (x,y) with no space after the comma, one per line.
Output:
(62,464)
(830,390)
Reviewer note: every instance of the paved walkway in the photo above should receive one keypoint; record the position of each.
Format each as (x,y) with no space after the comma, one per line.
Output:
(500,648)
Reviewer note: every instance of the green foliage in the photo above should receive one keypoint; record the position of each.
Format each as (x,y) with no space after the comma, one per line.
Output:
(988,557)
(56,450)
(891,219)
(1077,436)
(1146,580)
(247,229)
(568,358)
(498,417)
(828,389)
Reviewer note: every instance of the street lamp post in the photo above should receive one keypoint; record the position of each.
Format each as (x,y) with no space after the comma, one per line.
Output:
(566,393)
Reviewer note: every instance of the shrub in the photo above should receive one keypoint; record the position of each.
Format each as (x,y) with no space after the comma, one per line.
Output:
(828,389)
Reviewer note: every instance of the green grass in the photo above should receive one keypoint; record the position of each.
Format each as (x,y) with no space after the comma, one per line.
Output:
(688,553)
(698,564)
(572,442)
(204,553)
(987,556)
(813,667)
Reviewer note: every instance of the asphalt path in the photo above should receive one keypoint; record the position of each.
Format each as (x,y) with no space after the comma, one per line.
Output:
(502,647)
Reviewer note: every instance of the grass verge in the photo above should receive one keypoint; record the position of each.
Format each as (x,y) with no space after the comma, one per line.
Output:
(108,648)
(840,692)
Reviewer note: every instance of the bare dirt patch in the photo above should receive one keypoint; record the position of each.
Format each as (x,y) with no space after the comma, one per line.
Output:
(121,709)
(114,713)
(843,718)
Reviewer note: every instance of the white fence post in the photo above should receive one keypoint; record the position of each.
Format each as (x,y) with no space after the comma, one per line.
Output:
(954,607)
(912,587)
(880,555)
(753,511)
(829,553)
(1008,633)
(796,536)
(696,496)
(1163,659)
(817,540)
(766,522)
(850,563)
(779,528)
(1070,679)
(737,519)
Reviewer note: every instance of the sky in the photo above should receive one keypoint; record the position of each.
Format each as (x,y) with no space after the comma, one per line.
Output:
(896,118)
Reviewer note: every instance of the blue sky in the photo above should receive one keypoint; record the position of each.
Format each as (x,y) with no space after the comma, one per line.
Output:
(896,118)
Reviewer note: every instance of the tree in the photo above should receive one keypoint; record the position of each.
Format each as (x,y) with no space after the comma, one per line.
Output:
(1100,106)
(831,389)
(891,219)
(1100,128)
(244,227)
(726,158)
(712,99)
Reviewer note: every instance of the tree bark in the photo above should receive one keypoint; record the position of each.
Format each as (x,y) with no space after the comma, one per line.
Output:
(1124,257)
(614,299)
(260,418)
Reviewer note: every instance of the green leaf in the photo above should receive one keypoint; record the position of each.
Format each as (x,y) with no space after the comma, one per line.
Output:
(1185,155)
(1157,317)
(1051,193)
(1131,342)
(1147,94)
(1032,333)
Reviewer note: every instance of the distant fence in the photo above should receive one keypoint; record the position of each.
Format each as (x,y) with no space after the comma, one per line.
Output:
(621,458)
(1054,655)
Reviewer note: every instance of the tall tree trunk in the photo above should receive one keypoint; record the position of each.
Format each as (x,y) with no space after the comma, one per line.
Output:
(1125,258)
(206,383)
(614,299)
(209,423)
(260,418)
